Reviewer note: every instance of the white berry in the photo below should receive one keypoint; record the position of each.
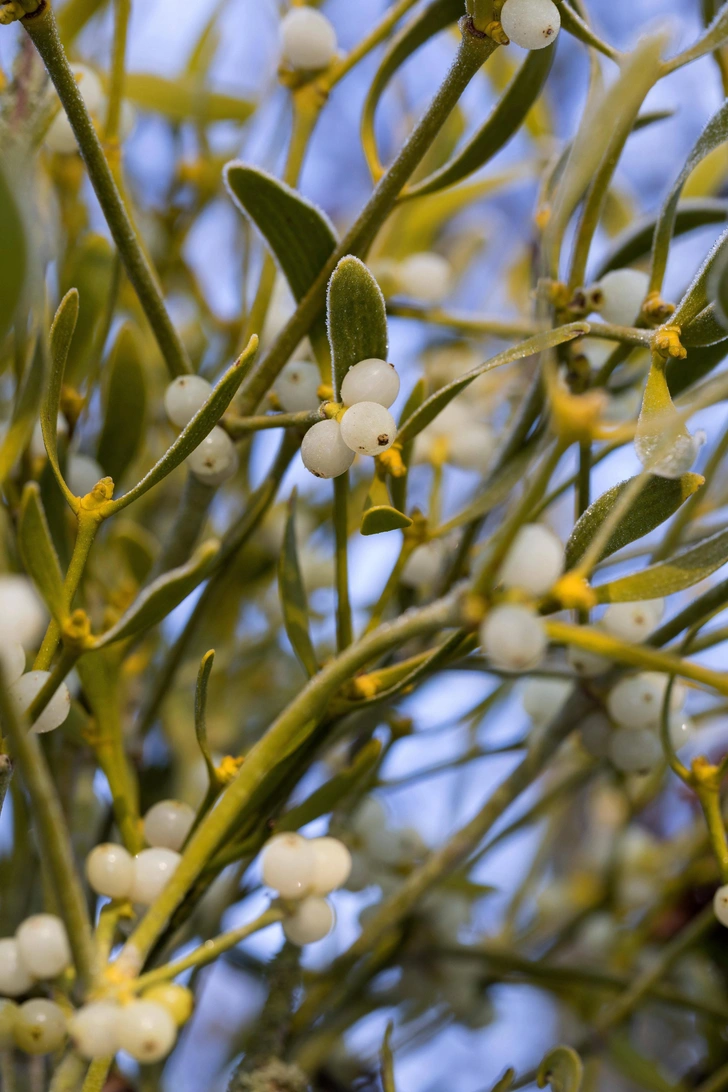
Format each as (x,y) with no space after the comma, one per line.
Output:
(308,40)
(23,692)
(669,457)
(168,823)
(368,428)
(531,24)
(288,865)
(370,381)
(681,729)
(324,452)
(587,664)
(153,869)
(514,638)
(12,661)
(59,137)
(297,386)
(22,614)
(14,978)
(215,459)
(40,1026)
(312,920)
(82,474)
(636,702)
(471,447)
(535,560)
(596,732)
(543,698)
(147,1031)
(43,945)
(424,564)
(426,277)
(720,904)
(94,1029)
(110,870)
(8,1018)
(184,397)
(331,865)
(634,750)
(632,622)
(622,294)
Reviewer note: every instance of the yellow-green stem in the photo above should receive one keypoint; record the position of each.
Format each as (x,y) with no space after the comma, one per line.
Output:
(344,632)
(88,525)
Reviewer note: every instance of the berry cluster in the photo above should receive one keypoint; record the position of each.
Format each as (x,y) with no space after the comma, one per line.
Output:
(215,459)
(304,871)
(366,426)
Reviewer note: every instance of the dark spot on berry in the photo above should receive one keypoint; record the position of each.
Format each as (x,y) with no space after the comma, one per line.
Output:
(382,439)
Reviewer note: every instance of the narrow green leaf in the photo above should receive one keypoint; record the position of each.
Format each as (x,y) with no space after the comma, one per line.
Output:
(161,597)
(126,406)
(203,678)
(25,413)
(503,123)
(658,500)
(575,25)
(562,1069)
(682,374)
(327,798)
(293,596)
(195,432)
(636,241)
(13,255)
(660,428)
(356,317)
(707,328)
(184,99)
(388,1084)
(436,403)
(38,554)
(505,1084)
(380,518)
(696,298)
(300,237)
(685,568)
(711,39)
(61,336)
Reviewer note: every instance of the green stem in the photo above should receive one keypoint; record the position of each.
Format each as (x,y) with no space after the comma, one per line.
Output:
(43,32)
(243,426)
(344,632)
(472,53)
(88,525)
(709,797)
(122,13)
(68,1075)
(98,1071)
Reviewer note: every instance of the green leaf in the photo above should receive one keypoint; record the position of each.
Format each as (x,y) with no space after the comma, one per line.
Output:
(707,328)
(714,36)
(184,99)
(61,336)
(203,678)
(195,432)
(327,798)
(438,15)
(658,500)
(25,413)
(436,403)
(562,1069)
(38,554)
(293,596)
(660,428)
(381,518)
(503,123)
(13,255)
(161,597)
(687,567)
(505,1084)
(356,317)
(575,25)
(126,406)
(682,374)
(388,1084)
(696,298)
(300,237)
(90,267)
(636,242)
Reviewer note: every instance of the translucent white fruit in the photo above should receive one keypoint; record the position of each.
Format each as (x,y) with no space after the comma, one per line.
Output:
(636,702)
(370,381)
(12,661)
(623,293)
(514,638)
(324,452)
(184,396)
(681,729)
(331,865)
(308,40)
(426,277)
(153,869)
(43,945)
(587,664)
(14,978)
(535,560)
(59,137)
(28,686)
(215,459)
(471,446)
(596,732)
(288,865)
(8,1017)
(176,999)
(669,457)
(297,386)
(94,1029)
(22,614)
(110,870)
(368,428)
(147,1031)
(543,698)
(531,24)
(312,920)
(423,566)
(720,904)
(168,823)
(40,1026)
(82,474)
(633,622)
(635,750)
